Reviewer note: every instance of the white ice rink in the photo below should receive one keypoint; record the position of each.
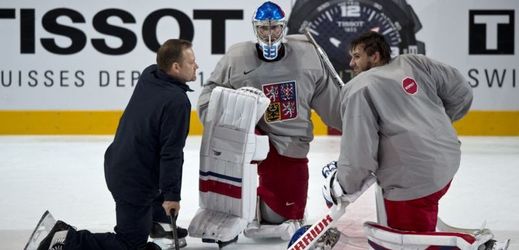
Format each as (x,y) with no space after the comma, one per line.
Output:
(65,176)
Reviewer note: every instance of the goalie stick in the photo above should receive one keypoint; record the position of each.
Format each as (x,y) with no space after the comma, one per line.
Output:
(325,58)
(310,237)
(173,218)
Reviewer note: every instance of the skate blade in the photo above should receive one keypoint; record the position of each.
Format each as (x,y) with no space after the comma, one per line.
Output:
(169,244)
(41,230)
(505,244)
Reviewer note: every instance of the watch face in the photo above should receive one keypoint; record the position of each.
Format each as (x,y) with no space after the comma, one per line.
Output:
(334,24)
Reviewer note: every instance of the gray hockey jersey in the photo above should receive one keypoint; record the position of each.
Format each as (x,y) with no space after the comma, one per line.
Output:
(295,84)
(397,123)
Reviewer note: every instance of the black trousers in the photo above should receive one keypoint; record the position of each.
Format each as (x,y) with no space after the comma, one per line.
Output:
(131,232)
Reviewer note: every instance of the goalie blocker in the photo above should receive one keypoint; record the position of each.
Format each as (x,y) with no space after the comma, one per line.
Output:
(228,180)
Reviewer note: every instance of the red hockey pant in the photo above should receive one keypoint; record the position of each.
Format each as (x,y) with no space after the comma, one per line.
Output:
(419,215)
(283,184)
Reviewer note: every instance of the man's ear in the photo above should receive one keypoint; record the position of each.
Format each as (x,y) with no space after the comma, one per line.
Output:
(175,67)
(376,57)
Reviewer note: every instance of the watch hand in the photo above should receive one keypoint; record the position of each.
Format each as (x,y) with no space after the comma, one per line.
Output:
(375,29)
(336,42)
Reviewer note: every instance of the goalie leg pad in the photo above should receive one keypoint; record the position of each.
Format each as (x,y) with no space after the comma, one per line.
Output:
(228,181)
(284,230)
(381,237)
(218,226)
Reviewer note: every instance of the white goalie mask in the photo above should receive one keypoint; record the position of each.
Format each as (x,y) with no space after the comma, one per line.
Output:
(269,25)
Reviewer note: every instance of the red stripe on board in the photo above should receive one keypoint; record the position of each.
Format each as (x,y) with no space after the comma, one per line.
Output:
(220,188)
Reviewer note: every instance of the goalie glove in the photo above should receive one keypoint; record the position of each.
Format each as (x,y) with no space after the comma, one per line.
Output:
(332,190)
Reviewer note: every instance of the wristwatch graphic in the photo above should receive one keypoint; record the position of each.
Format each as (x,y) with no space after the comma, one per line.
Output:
(335,23)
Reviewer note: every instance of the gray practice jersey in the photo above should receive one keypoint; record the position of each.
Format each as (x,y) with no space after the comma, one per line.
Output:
(397,123)
(295,84)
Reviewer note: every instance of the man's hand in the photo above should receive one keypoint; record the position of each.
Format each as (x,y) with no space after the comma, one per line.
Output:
(168,205)
(332,190)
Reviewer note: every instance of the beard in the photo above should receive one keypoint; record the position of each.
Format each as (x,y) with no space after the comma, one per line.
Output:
(369,65)
(360,69)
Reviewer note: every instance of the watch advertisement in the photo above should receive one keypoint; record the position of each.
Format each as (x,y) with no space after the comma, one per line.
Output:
(78,55)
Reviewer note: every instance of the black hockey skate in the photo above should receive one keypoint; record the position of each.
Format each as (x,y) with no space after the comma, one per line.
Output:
(152,246)
(55,240)
(495,245)
(162,235)
(41,230)
(45,231)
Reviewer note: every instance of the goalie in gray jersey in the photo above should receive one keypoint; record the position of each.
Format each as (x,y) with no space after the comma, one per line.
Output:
(397,116)
(291,74)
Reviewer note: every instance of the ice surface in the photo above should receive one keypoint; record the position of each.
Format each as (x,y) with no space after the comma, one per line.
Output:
(65,176)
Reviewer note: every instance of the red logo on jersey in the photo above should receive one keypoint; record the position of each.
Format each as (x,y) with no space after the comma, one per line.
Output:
(409,85)
(283,101)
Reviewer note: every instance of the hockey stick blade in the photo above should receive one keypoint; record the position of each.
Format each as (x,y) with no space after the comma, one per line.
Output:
(325,58)
(173,218)
(310,237)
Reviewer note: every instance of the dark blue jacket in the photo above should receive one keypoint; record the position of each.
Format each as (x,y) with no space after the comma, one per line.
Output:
(146,156)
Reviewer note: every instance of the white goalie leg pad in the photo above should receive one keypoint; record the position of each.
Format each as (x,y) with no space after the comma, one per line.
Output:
(381,237)
(228,181)
(284,230)
(211,224)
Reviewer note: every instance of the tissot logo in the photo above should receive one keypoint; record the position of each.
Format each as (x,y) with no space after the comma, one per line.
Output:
(491,32)
(51,21)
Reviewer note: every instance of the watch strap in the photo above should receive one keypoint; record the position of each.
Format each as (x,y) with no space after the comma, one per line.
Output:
(404,6)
